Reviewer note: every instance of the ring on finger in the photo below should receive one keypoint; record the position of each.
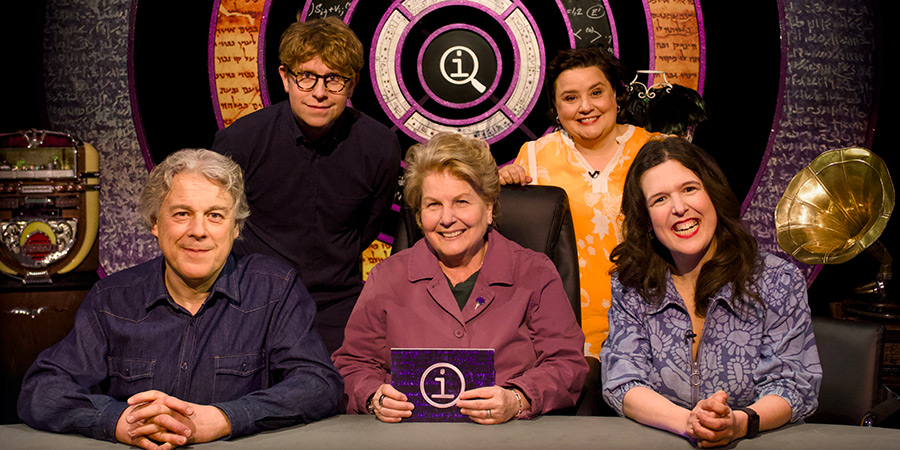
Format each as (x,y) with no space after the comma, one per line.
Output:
(489,414)
(381,401)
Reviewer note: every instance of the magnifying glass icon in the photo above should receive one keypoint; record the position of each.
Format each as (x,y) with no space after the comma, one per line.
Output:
(459,77)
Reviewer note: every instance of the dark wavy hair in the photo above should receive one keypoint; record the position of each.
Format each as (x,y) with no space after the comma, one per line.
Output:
(642,262)
(576,58)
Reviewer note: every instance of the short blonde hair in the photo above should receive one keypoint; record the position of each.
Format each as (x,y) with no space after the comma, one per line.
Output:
(468,159)
(217,168)
(329,39)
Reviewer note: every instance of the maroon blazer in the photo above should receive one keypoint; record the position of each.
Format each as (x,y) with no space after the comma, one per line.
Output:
(526,318)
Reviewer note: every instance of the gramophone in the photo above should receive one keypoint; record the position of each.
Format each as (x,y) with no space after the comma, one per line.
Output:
(834,209)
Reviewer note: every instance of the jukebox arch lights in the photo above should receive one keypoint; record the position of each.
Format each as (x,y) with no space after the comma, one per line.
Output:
(49,220)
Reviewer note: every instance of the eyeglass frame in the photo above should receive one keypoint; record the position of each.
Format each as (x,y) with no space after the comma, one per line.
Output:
(318,77)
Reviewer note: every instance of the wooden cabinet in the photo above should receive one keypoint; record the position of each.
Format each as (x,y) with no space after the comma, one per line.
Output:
(32,319)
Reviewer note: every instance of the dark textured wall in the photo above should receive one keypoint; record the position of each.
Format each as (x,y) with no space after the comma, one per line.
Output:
(825,98)
(86,82)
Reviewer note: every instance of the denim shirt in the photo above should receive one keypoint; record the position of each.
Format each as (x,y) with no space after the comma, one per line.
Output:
(747,352)
(250,350)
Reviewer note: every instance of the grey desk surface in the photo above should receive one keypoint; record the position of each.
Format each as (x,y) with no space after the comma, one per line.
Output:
(551,432)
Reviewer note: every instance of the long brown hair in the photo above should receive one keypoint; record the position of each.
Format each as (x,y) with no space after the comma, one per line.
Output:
(643,263)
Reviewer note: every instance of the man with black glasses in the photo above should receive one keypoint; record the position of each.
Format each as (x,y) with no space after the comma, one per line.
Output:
(321,177)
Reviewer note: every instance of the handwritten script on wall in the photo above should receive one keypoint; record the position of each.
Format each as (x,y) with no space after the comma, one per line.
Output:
(327,8)
(674,35)
(590,23)
(676,40)
(235,59)
(827,102)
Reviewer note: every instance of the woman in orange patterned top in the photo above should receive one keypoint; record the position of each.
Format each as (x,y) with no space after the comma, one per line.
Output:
(588,156)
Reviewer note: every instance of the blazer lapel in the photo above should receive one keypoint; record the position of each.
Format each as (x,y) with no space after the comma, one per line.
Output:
(481,298)
(423,268)
(440,293)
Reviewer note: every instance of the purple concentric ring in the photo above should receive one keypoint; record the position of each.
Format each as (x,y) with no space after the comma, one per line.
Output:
(416,107)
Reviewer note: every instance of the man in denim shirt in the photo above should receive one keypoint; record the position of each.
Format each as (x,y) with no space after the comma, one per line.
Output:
(191,346)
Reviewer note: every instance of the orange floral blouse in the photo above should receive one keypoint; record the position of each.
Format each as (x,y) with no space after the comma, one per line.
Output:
(595,203)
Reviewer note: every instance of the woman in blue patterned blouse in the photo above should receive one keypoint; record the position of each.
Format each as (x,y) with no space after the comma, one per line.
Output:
(710,338)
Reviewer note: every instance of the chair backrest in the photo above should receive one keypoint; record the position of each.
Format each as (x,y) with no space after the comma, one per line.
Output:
(535,217)
(851,354)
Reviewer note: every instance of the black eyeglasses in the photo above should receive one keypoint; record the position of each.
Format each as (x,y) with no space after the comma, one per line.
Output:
(306,81)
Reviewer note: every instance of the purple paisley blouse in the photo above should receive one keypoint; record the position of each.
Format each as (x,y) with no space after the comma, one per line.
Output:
(748,353)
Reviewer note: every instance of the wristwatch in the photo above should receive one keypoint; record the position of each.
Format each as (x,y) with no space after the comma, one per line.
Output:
(370,407)
(752,422)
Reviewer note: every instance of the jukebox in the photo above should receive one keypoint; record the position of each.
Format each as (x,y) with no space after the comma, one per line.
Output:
(49,218)
(49,205)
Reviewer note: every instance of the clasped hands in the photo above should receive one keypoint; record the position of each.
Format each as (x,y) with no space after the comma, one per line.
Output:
(156,420)
(486,405)
(712,423)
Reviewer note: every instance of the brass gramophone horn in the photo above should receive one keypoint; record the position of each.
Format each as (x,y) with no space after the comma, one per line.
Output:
(836,207)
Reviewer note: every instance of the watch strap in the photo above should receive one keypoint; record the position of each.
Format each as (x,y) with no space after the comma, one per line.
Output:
(752,422)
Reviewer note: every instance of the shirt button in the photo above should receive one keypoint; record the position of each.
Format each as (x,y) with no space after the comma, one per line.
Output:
(184,365)
(459,333)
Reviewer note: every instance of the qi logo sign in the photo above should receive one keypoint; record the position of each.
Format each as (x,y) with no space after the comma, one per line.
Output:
(456,75)
(459,65)
(434,378)
(441,385)
(431,76)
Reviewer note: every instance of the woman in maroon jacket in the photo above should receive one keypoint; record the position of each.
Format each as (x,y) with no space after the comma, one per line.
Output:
(463,286)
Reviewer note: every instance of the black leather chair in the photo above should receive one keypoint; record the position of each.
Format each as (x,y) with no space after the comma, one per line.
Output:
(851,357)
(535,217)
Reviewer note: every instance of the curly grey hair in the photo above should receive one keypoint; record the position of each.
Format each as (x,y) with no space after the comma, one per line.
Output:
(217,168)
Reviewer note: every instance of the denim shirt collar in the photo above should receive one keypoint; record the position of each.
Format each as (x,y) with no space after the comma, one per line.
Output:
(722,296)
(226,285)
